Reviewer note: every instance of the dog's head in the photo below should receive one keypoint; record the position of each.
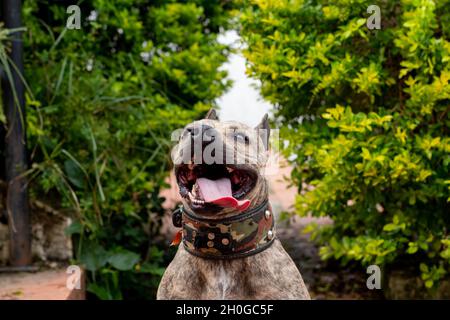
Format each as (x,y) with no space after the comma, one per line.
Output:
(219,166)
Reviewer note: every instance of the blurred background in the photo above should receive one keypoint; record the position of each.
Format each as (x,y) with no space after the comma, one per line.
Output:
(92,90)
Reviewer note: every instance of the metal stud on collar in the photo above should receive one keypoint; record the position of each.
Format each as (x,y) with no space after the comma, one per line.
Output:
(267,214)
(270,235)
(176,217)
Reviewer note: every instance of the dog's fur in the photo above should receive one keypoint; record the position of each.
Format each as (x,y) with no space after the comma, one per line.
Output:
(270,274)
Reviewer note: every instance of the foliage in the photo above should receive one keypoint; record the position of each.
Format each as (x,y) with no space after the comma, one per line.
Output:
(365,116)
(104,102)
(6,65)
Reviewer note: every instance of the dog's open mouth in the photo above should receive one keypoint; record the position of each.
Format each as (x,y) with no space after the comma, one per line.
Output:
(215,185)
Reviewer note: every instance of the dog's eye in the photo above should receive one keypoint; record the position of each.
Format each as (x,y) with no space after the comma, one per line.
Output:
(241,137)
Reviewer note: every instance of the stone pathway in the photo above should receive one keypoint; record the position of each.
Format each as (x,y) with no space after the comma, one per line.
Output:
(48,284)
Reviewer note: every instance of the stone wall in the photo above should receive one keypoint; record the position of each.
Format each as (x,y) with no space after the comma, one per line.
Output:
(49,242)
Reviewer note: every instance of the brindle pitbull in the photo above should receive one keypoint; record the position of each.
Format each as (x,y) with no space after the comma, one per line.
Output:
(229,248)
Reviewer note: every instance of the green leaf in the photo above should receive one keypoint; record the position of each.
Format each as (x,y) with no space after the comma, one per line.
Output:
(152,269)
(73,172)
(124,260)
(93,256)
(75,228)
(366,154)
(423,267)
(390,227)
(412,248)
(101,292)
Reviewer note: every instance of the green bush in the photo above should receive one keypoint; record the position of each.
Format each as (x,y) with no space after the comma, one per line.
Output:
(365,116)
(103,102)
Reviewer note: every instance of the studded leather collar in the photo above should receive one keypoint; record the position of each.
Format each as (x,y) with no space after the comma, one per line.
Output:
(235,237)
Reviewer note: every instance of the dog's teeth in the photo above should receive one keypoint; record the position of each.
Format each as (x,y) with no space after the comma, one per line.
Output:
(197,201)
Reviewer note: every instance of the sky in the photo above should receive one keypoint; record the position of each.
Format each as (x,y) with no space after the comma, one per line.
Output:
(242,102)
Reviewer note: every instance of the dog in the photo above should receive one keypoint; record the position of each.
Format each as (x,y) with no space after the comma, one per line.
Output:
(229,248)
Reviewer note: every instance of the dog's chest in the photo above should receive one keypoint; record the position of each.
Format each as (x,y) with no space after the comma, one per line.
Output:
(217,280)
(270,274)
(199,278)
(222,282)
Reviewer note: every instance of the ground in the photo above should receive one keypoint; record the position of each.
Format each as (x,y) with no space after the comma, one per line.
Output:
(49,284)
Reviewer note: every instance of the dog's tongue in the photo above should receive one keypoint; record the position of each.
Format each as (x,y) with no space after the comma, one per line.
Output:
(219,192)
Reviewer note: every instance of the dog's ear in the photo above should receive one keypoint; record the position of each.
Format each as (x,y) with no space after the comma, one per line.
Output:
(263,129)
(212,115)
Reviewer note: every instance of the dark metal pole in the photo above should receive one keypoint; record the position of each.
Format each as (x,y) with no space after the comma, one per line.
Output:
(16,154)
